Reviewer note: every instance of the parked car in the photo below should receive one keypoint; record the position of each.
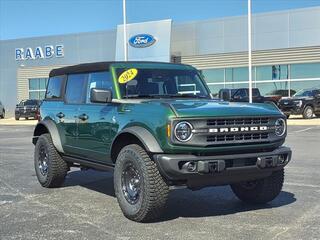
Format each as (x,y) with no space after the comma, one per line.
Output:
(157,126)
(242,95)
(2,111)
(27,109)
(305,102)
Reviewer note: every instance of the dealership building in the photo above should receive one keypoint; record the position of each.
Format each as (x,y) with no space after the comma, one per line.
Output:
(286,52)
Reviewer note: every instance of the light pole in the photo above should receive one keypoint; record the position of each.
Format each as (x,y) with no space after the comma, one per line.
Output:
(125,31)
(250,51)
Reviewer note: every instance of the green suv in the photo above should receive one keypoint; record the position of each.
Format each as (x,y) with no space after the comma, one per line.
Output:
(158,127)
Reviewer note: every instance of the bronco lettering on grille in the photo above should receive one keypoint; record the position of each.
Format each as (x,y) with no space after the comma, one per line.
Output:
(238,129)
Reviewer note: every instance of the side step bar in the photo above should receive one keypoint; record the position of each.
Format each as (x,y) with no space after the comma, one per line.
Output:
(88,163)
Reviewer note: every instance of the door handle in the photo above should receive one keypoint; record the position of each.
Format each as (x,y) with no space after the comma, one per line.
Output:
(60,115)
(83,117)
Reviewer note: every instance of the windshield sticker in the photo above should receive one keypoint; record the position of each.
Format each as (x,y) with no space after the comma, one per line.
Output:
(128,75)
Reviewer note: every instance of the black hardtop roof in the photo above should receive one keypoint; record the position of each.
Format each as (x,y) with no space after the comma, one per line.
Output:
(96,67)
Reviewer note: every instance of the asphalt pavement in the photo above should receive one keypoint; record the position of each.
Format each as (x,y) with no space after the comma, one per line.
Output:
(86,208)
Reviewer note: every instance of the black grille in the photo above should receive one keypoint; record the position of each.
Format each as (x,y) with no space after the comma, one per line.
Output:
(237,121)
(237,137)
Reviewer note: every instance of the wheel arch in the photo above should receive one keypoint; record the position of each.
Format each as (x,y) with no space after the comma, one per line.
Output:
(48,126)
(135,134)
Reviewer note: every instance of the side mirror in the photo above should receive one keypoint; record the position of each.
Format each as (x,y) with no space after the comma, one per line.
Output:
(98,95)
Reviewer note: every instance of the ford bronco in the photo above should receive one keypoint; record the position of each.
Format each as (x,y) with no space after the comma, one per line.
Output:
(157,126)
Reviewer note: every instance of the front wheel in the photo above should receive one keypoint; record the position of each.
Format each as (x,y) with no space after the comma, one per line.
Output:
(140,189)
(260,191)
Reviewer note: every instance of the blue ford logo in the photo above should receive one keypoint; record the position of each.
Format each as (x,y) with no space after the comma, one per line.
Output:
(142,40)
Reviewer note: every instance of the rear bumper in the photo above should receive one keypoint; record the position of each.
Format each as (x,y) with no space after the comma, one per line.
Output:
(200,171)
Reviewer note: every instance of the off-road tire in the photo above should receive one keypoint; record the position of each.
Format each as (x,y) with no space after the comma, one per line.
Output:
(305,112)
(264,190)
(57,167)
(153,189)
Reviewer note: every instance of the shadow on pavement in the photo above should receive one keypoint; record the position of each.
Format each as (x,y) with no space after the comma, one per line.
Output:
(207,202)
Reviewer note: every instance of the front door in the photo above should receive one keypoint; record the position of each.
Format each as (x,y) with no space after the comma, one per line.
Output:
(96,121)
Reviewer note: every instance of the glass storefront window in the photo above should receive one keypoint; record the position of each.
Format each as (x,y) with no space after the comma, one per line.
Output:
(215,89)
(274,72)
(270,88)
(305,70)
(239,74)
(37,88)
(213,75)
(299,85)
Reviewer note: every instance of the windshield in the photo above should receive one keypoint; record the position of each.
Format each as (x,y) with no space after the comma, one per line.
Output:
(153,82)
(30,102)
(304,93)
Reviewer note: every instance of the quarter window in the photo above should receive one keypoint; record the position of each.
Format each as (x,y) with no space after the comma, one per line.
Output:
(54,87)
(76,88)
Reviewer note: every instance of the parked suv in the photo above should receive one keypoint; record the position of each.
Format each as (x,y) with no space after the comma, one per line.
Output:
(157,127)
(2,111)
(305,102)
(27,109)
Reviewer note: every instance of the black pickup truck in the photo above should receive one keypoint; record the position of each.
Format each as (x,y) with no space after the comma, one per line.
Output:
(242,95)
(305,102)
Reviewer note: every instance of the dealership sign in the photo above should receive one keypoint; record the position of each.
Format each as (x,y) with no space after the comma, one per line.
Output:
(142,40)
(47,51)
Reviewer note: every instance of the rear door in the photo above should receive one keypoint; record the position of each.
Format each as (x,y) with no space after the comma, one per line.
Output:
(75,95)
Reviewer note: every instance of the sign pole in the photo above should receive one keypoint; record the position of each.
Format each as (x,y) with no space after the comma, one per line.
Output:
(125,31)
(250,50)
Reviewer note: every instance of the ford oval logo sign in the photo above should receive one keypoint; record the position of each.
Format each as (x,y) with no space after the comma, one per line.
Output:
(142,40)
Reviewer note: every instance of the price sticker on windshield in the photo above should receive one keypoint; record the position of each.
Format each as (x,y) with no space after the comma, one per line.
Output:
(128,75)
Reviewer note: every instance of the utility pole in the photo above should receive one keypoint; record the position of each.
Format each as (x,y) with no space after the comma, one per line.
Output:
(250,50)
(125,45)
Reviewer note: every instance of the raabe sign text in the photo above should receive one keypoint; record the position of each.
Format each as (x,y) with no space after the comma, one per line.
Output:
(47,51)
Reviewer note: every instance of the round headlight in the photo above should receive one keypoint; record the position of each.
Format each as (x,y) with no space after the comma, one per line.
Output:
(183,131)
(280,127)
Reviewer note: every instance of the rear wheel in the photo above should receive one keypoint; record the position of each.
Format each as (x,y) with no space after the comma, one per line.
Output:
(260,191)
(50,168)
(140,189)
(307,112)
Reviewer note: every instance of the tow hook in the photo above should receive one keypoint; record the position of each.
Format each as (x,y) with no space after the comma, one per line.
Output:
(211,166)
(272,161)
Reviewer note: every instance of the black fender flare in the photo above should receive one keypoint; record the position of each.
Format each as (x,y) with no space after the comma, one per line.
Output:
(51,128)
(145,137)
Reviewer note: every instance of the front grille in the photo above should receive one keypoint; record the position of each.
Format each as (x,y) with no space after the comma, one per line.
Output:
(237,137)
(237,121)
(243,137)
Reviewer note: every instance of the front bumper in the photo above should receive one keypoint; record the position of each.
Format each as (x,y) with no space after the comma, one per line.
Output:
(200,171)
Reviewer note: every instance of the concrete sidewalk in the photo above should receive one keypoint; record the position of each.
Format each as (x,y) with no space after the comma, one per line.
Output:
(292,121)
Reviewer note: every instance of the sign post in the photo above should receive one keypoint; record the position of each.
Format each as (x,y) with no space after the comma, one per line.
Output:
(125,31)
(249,51)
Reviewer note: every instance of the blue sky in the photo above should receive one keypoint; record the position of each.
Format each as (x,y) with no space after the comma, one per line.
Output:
(29,18)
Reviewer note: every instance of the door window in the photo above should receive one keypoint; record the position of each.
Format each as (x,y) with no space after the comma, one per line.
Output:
(100,80)
(76,88)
